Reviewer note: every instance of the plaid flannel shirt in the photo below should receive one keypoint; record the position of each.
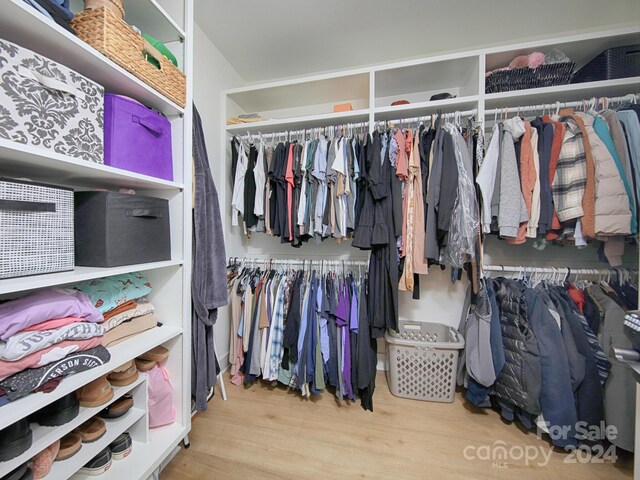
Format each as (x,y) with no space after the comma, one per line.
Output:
(277,328)
(571,174)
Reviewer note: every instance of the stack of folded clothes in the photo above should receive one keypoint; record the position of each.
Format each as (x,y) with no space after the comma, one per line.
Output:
(122,301)
(44,336)
(245,118)
(56,10)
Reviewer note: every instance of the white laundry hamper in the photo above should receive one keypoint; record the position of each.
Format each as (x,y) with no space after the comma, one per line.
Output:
(422,360)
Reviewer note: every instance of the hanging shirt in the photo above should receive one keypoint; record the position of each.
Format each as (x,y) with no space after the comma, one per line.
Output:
(237,199)
(320,173)
(487,176)
(260,176)
(302,205)
(277,330)
(338,166)
(532,225)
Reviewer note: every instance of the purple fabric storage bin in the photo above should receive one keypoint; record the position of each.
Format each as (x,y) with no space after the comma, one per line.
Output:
(136,138)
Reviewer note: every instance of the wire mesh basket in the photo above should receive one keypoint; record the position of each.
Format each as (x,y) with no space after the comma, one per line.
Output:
(36,229)
(522,78)
(422,360)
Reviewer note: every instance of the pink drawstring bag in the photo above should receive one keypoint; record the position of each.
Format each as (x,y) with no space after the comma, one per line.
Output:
(161,409)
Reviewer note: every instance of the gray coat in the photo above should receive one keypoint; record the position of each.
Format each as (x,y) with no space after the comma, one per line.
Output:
(620,387)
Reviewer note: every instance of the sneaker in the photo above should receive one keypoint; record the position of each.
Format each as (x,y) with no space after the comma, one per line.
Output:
(121,446)
(98,464)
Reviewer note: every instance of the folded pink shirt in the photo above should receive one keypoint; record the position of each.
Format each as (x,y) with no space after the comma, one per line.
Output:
(47,355)
(51,324)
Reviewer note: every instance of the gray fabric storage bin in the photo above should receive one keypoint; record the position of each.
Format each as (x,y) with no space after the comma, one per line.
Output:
(114,229)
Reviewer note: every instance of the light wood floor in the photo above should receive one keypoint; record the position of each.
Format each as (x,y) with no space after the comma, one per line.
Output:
(270,433)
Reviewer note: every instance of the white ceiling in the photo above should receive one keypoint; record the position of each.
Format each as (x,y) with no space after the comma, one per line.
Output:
(268,39)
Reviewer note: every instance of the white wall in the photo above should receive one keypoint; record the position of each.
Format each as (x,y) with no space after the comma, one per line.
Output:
(212,75)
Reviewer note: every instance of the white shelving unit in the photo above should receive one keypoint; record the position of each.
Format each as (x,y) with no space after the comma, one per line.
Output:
(170,21)
(72,172)
(308,102)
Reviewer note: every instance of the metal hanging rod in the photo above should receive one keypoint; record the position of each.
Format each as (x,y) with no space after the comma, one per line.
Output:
(327,129)
(557,270)
(297,261)
(450,115)
(591,103)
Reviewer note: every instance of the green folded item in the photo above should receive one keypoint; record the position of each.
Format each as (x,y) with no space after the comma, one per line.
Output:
(158,45)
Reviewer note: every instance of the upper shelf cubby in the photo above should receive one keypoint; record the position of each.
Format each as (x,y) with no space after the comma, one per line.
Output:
(416,83)
(25,26)
(150,17)
(295,99)
(579,50)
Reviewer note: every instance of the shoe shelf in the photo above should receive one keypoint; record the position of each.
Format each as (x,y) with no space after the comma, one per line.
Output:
(145,457)
(116,426)
(120,354)
(45,436)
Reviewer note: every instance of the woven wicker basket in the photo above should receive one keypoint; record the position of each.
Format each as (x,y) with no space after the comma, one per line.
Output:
(103,30)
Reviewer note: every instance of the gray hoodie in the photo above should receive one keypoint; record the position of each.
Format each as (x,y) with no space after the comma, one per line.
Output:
(513,210)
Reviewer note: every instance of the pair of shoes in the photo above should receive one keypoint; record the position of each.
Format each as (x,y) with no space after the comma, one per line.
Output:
(100,391)
(42,462)
(148,360)
(15,439)
(59,412)
(124,375)
(23,472)
(118,449)
(90,431)
(118,408)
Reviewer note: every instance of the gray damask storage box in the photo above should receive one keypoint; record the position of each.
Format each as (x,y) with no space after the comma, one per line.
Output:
(47,105)
(36,228)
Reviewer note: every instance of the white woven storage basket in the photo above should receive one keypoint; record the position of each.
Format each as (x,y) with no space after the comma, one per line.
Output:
(422,360)
(36,228)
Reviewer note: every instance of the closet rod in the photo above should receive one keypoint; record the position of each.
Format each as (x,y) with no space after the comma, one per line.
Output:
(633,97)
(466,113)
(302,131)
(565,270)
(299,261)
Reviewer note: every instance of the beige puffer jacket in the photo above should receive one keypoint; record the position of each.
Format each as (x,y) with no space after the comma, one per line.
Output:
(613,216)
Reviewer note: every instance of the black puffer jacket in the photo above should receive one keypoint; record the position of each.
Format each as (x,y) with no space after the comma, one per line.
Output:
(519,382)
